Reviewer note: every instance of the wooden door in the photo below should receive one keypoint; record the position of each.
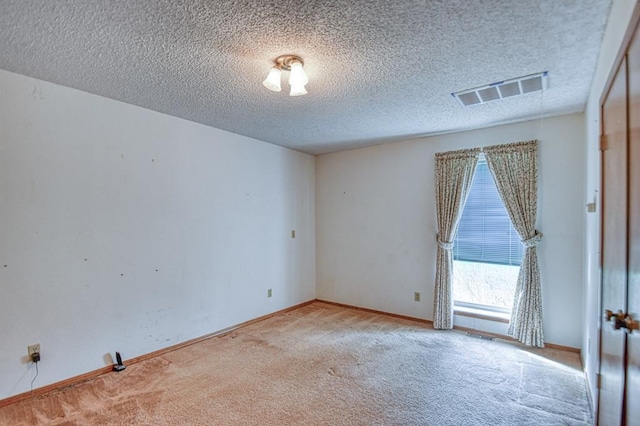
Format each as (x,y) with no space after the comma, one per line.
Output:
(614,248)
(632,397)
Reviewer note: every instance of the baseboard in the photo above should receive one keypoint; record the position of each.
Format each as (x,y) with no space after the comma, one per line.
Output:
(592,401)
(455,327)
(56,386)
(511,339)
(562,348)
(38,392)
(374,311)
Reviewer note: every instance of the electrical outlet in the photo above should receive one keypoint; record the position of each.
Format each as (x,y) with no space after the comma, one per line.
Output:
(416,296)
(293,233)
(33,349)
(269,292)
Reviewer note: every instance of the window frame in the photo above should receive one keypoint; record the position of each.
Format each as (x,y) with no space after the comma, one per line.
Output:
(478,310)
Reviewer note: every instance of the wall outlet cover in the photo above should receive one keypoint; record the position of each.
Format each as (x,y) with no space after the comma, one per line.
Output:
(33,349)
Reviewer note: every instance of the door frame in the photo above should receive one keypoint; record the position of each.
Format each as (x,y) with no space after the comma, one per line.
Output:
(633,25)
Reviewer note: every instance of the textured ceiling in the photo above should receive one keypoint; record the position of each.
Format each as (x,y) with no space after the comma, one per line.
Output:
(379,70)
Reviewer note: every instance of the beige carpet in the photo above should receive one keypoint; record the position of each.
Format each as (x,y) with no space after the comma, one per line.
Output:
(327,365)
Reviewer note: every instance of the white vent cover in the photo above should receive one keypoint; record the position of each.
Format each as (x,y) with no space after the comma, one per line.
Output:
(503,89)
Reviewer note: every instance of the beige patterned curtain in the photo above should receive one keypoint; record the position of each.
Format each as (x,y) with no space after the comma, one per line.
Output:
(514,168)
(454,174)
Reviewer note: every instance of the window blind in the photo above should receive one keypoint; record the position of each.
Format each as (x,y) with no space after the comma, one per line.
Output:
(485,233)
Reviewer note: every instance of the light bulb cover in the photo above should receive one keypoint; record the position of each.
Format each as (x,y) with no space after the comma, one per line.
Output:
(272,82)
(298,76)
(297,90)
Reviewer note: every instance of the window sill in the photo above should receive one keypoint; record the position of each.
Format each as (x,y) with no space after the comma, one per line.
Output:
(481,314)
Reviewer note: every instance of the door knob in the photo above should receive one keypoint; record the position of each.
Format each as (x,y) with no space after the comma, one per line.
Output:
(617,320)
(608,314)
(630,324)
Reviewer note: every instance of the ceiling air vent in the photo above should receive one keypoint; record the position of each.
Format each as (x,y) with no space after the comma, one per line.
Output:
(503,89)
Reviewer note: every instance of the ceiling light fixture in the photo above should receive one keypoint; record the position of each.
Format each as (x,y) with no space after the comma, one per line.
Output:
(297,79)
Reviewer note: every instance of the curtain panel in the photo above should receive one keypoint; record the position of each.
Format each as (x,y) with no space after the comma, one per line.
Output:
(453,176)
(514,168)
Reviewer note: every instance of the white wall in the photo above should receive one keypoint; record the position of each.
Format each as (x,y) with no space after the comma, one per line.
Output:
(125,229)
(376,225)
(617,24)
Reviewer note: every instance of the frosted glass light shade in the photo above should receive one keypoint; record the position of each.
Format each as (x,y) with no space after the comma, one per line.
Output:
(297,90)
(272,82)
(298,76)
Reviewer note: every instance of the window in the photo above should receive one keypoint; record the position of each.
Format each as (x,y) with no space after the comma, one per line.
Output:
(487,249)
